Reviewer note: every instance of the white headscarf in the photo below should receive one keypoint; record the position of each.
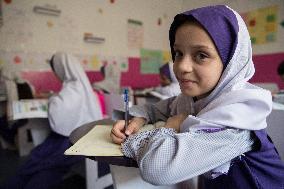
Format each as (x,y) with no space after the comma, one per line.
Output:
(234,102)
(76,103)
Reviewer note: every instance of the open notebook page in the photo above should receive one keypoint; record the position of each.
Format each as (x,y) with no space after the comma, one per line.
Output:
(97,142)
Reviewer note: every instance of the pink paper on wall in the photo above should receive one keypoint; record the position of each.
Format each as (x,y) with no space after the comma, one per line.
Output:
(135,79)
(266,68)
(44,81)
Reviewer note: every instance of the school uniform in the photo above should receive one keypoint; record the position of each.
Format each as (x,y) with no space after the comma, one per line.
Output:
(254,169)
(223,138)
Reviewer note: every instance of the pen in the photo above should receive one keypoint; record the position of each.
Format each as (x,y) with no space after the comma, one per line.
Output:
(126,103)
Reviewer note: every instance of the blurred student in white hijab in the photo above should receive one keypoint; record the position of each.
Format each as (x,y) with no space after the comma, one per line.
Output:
(169,84)
(75,105)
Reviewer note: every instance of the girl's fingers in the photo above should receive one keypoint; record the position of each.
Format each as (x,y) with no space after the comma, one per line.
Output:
(116,139)
(132,128)
(117,131)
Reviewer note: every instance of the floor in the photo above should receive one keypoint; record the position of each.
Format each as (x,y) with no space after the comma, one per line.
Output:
(10,161)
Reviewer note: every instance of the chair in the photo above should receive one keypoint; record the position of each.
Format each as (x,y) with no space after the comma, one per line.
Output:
(30,132)
(93,178)
(113,101)
(275,129)
(272,87)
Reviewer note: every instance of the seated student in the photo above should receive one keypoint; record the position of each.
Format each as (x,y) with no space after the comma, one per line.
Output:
(169,84)
(72,107)
(216,127)
(64,116)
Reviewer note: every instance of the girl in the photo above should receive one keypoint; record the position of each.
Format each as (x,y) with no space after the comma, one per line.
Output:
(72,107)
(76,104)
(169,84)
(215,128)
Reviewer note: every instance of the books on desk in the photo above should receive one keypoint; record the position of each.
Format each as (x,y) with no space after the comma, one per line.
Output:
(97,142)
(33,108)
(158,95)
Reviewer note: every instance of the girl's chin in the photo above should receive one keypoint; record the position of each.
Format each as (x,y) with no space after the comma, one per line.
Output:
(188,92)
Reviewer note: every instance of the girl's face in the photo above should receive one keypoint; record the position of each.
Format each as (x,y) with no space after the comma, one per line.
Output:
(198,66)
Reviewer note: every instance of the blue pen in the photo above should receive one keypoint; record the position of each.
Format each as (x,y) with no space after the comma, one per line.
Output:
(126,103)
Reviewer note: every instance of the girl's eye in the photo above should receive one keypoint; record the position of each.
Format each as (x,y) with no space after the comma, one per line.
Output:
(201,56)
(178,54)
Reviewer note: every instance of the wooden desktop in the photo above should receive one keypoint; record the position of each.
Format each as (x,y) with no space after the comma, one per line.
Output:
(124,171)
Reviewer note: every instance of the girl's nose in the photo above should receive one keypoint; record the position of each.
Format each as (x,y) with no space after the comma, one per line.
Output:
(185,64)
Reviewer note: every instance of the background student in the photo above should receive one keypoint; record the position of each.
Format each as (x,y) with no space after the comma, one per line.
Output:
(207,130)
(72,107)
(169,84)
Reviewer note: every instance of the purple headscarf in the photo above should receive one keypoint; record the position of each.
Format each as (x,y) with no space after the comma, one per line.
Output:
(165,69)
(221,24)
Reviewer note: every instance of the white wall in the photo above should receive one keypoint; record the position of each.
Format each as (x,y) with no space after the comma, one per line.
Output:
(242,6)
(26,32)
(23,30)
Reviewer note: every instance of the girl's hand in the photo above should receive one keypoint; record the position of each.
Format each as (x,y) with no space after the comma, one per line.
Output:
(175,121)
(118,134)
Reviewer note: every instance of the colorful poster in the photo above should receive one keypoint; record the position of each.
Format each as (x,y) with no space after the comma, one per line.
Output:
(135,34)
(122,63)
(95,62)
(150,61)
(167,56)
(262,24)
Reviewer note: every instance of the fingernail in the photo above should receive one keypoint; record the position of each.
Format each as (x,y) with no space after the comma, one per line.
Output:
(127,132)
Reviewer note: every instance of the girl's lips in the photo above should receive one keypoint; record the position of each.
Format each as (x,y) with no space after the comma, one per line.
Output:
(187,83)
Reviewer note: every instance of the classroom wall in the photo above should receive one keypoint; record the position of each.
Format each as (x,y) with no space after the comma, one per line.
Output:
(27,40)
(23,30)
(242,6)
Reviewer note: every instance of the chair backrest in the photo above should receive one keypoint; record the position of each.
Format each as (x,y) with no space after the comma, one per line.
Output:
(24,91)
(113,101)
(272,87)
(275,129)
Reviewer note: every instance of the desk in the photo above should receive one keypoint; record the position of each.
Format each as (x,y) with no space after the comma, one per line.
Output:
(124,171)
(35,111)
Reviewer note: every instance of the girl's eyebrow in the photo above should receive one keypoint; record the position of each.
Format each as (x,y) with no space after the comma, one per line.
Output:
(196,47)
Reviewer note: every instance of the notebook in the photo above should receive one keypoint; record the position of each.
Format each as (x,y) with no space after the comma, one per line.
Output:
(97,142)
(33,108)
